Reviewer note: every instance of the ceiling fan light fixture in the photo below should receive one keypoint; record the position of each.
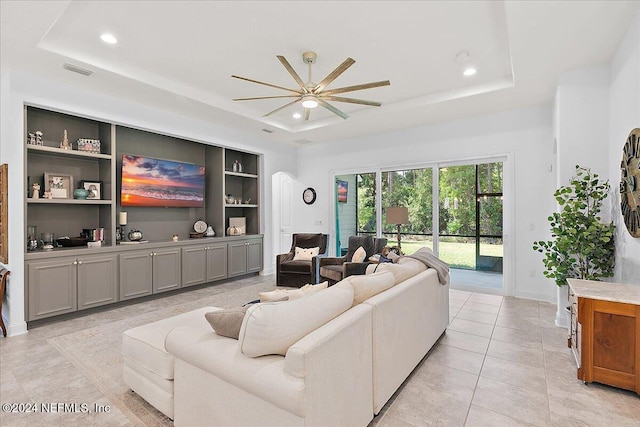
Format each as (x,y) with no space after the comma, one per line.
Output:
(309,101)
(469,71)
(108,38)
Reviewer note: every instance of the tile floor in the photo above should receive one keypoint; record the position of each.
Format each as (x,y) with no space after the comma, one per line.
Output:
(502,362)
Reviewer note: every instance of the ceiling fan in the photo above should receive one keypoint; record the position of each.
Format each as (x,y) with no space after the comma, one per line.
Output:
(311,94)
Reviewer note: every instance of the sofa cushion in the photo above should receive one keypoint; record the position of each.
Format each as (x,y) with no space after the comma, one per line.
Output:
(306,290)
(296,266)
(359,255)
(333,272)
(364,287)
(271,328)
(227,322)
(305,254)
(274,295)
(401,271)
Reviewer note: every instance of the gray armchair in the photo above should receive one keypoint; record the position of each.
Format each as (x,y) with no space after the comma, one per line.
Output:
(336,269)
(296,273)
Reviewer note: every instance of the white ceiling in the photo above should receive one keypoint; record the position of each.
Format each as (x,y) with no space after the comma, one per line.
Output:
(180,55)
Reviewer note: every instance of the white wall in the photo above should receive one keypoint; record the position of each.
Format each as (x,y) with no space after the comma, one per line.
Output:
(18,89)
(624,115)
(525,136)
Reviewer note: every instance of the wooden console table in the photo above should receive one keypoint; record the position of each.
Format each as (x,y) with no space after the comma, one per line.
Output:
(605,332)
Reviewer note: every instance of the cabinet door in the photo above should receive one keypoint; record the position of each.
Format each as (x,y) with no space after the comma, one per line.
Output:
(237,258)
(166,270)
(194,265)
(216,262)
(254,256)
(97,281)
(136,274)
(51,288)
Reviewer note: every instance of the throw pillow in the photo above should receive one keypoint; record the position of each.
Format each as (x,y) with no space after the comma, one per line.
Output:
(359,255)
(305,254)
(227,322)
(272,328)
(274,296)
(306,290)
(364,287)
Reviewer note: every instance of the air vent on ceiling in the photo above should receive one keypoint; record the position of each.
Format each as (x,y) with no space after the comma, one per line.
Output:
(302,141)
(77,69)
(267,130)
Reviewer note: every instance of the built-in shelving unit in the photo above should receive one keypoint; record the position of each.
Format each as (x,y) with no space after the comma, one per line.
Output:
(62,280)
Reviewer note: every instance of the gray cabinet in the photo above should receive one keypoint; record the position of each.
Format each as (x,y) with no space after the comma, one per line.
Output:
(203,264)
(52,287)
(244,256)
(149,272)
(166,270)
(97,281)
(67,284)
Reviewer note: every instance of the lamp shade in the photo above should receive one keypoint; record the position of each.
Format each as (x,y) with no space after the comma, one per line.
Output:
(398,215)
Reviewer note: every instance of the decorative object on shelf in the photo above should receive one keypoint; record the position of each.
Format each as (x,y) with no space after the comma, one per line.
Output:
(48,240)
(233,231)
(89,145)
(35,191)
(135,235)
(122,221)
(309,196)
(118,233)
(66,241)
(200,226)
(174,237)
(31,138)
(630,183)
(47,194)
(80,194)
(237,166)
(32,238)
(582,247)
(39,140)
(94,189)
(240,223)
(93,234)
(398,216)
(210,232)
(65,142)
(247,201)
(229,199)
(60,184)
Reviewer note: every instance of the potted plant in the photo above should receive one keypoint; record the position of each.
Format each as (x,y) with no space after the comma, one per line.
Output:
(582,246)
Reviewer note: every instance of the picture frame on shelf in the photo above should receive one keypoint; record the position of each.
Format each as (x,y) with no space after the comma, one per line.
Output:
(94,188)
(60,185)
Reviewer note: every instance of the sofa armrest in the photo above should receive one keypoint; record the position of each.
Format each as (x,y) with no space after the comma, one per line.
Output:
(332,260)
(354,268)
(284,257)
(335,362)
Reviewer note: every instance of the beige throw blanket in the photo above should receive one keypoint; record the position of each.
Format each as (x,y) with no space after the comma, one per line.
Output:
(428,258)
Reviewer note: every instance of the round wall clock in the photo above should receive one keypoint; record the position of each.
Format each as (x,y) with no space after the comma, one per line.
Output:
(200,226)
(309,196)
(630,183)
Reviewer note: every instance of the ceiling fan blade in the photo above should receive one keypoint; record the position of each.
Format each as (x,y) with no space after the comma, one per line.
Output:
(333,109)
(334,74)
(291,71)
(307,113)
(266,97)
(352,100)
(268,84)
(280,108)
(356,87)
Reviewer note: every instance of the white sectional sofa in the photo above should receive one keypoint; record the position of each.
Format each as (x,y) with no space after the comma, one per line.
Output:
(341,373)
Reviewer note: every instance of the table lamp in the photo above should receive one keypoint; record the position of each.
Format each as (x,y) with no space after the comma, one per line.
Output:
(398,216)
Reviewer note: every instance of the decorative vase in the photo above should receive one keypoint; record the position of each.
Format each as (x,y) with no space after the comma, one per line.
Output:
(233,231)
(210,232)
(80,194)
(135,235)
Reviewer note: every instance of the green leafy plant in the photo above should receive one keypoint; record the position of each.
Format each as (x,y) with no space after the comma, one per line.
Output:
(582,246)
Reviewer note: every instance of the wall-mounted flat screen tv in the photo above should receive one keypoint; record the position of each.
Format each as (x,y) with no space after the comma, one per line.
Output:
(154,182)
(343,189)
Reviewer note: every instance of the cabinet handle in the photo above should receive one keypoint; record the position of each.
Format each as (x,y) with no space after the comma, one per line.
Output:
(154,254)
(151,254)
(80,262)
(75,262)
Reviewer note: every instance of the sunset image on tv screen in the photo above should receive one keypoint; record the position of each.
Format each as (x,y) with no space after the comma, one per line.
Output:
(154,182)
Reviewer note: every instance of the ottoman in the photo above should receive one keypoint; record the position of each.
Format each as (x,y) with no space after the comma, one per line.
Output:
(148,367)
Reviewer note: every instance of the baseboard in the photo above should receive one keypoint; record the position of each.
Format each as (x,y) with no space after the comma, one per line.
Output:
(266,272)
(536,296)
(17,329)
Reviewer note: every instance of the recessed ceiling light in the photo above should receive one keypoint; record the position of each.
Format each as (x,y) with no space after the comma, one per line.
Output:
(297,115)
(469,72)
(108,38)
